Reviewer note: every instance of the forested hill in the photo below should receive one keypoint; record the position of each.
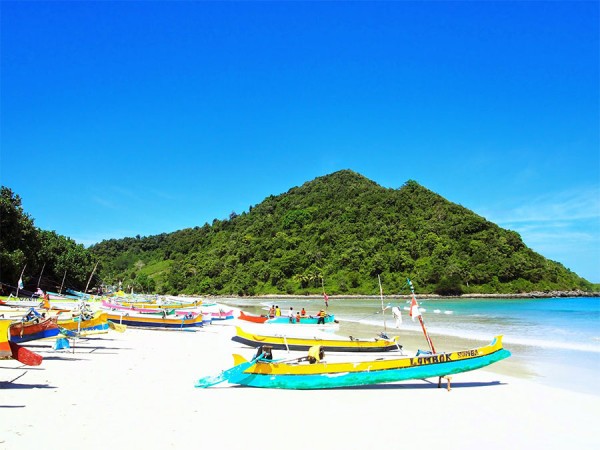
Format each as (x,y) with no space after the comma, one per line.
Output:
(340,231)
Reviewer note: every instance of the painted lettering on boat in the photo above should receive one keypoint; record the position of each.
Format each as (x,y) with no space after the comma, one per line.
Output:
(433,359)
(468,354)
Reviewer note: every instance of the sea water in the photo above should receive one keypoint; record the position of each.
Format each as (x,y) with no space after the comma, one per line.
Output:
(555,340)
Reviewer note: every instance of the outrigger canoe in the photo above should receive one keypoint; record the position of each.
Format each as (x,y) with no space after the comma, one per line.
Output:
(31,330)
(9,349)
(300,374)
(133,319)
(252,318)
(98,322)
(304,320)
(284,342)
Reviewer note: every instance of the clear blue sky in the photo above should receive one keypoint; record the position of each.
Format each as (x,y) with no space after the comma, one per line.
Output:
(127,118)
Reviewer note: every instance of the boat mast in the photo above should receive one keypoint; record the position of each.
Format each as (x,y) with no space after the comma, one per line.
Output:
(40,278)
(414,301)
(90,279)
(382,308)
(63,282)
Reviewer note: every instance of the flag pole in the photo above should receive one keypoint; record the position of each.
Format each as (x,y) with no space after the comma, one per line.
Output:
(20,280)
(414,301)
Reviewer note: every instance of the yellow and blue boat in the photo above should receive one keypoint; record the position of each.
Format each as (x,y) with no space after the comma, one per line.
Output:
(329,344)
(142,320)
(301,374)
(97,322)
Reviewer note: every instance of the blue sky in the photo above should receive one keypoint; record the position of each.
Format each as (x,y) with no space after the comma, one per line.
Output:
(127,118)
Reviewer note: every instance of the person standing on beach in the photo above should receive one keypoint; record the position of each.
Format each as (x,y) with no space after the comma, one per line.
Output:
(322,314)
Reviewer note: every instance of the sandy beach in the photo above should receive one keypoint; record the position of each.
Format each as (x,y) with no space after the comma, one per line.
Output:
(137,389)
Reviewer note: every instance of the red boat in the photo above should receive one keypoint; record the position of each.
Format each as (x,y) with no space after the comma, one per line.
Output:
(252,318)
(33,329)
(9,349)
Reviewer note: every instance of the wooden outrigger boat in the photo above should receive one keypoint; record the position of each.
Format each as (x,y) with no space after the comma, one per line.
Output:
(134,319)
(304,320)
(284,342)
(33,326)
(98,322)
(252,318)
(301,374)
(170,305)
(9,349)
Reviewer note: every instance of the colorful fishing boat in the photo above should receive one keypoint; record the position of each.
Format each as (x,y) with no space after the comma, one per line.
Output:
(252,318)
(219,315)
(9,349)
(169,305)
(304,320)
(96,322)
(329,344)
(141,320)
(31,329)
(300,373)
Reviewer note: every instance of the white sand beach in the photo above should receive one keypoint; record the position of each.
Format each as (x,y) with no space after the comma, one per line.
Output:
(136,389)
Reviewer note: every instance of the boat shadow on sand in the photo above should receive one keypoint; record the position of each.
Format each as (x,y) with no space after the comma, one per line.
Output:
(424,384)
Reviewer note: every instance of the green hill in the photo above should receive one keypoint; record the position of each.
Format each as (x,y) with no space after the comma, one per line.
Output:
(340,230)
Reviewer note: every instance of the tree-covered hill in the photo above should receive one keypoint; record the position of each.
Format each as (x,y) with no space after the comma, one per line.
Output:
(338,231)
(45,258)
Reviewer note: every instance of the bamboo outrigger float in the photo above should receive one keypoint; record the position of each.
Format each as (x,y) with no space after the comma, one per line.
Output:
(301,374)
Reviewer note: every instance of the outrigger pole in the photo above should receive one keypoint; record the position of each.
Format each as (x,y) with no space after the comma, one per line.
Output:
(414,302)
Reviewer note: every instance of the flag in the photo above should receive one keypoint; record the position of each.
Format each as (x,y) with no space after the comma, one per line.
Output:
(20,283)
(414,309)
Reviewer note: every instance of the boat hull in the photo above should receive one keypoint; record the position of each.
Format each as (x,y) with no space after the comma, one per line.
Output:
(253,319)
(99,322)
(156,322)
(334,375)
(29,331)
(303,320)
(328,345)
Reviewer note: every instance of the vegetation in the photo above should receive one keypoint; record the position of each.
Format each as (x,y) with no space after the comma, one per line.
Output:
(45,255)
(338,231)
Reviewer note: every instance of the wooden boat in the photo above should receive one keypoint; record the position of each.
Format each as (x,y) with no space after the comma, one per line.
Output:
(300,374)
(170,305)
(304,320)
(218,315)
(252,318)
(9,349)
(134,319)
(96,322)
(38,328)
(286,342)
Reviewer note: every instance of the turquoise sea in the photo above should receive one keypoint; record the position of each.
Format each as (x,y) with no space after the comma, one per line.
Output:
(555,341)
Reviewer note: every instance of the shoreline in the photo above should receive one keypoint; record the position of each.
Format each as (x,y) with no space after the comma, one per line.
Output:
(524,295)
